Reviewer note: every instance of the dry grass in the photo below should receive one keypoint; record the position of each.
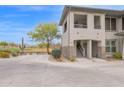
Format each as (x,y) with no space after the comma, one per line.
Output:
(62,59)
(44,50)
(52,59)
(112,59)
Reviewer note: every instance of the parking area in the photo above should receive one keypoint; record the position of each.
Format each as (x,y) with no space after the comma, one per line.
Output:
(38,71)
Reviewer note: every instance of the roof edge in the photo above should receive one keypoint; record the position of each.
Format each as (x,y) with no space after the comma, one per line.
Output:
(67,7)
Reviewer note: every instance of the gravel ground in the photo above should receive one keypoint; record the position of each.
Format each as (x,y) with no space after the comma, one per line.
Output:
(37,71)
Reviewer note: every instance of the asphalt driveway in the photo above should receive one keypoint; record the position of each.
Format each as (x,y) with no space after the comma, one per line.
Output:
(37,71)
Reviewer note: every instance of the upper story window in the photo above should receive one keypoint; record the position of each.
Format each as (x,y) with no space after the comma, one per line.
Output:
(80,21)
(122,23)
(65,27)
(113,23)
(107,23)
(97,22)
(110,24)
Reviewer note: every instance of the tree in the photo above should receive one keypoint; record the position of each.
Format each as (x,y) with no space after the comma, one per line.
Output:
(3,43)
(44,33)
(42,45)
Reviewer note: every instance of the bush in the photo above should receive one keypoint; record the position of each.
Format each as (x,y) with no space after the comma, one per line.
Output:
(56,53)
(4,55)
(14,54)
(117,55)
(14,50)
(72,59)
(5,50)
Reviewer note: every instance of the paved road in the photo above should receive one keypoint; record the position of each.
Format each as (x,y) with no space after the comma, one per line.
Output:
(33,71)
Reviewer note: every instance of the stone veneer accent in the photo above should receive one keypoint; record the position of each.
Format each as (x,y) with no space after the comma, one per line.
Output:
(68,51)
(101,52)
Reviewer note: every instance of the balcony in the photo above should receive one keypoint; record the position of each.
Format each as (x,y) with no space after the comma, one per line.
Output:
(80,26)
(120,34)
(97,27)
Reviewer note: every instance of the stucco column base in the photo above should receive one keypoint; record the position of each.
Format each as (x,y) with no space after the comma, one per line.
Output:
(89,50)
(68,51)
(123,50)
(101,52)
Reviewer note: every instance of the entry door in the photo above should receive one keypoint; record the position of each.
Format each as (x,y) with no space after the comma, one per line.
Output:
(94,48)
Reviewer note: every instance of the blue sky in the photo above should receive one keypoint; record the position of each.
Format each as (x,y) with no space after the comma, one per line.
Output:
(17,21)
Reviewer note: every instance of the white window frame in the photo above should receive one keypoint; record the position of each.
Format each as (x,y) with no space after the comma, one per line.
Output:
(99,27)
(110,45)
(111,25)
(81,25)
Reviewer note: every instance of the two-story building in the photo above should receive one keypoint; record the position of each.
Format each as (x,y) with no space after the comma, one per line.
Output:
(91,32)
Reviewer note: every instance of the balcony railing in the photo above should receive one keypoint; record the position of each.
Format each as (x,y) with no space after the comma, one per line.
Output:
(97,27)
(110,30)
(80,26)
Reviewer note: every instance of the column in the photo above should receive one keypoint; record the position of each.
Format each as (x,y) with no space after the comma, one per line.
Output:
(89,49)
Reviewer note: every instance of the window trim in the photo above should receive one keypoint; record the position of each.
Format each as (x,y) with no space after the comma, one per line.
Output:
(65,26)
(81,25)
(97,27)
(110,30)
(111,46)
(122,23)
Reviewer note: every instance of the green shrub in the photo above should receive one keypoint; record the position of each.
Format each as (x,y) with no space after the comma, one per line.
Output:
(117,55)
(56,53)
(5,50)
(72,59)
(4,55)
(14,50)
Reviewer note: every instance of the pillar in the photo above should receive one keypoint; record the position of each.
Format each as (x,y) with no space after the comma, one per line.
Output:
(89,49)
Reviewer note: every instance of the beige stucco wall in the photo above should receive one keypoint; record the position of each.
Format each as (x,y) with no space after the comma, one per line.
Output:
(65,36)
(89,33)
(111,35)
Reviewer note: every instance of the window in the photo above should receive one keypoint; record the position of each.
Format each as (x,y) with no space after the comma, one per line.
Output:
(122,23)
(113,24)
(107,23)
(107,46)
(80,21)
(65,27)
(110,45)
(110,24)
(113,46)
(97,22)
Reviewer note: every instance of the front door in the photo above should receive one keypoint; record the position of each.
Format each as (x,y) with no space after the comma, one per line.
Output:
(94,48)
